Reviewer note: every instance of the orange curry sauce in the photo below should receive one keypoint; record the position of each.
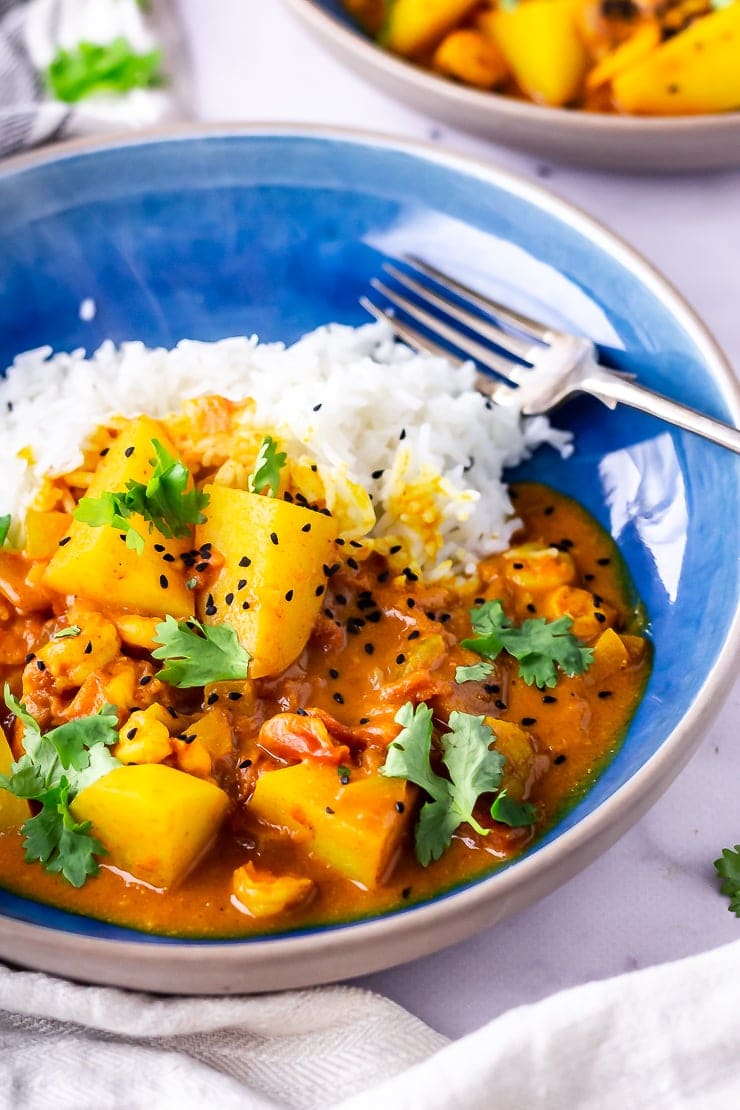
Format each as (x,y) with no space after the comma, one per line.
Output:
(380,641)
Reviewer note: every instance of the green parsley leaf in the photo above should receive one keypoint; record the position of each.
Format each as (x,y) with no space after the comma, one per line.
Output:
(4,528)
(728,869)
(197,655)
(267,468)
(512,813)
(164,502)
(475,673)
(54,768)
(473,766)
(542,647)
(93,68)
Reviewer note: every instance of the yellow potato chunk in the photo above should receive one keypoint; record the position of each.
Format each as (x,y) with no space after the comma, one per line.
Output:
(44,531)
(470,56)
(540,41)
(155,822)
(263,894)
(518,747)
(97,565)
(145,737)
(589,619)
(697,71)
(355,829)
(214,732)
(416,25)
(13,811)
(270,586)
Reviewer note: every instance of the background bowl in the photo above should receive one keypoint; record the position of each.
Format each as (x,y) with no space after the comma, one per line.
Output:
(604,141)
(211,233)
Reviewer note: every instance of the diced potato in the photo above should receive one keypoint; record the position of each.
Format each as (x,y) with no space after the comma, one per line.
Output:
(44,531)
(136,631)
(610,654)
(270,585)
(214,732)
(263,894)
(96,563)
(697,71)
(13,811)
(518,747)
(537,568)
(155,822)
(644,40)
(354,829)
(589,619)
(145,737)
(416,25)
(470,56)
(192,756)
(539,39)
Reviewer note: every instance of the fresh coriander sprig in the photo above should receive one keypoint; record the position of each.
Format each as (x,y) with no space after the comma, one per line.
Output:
(541,647)
(474,767)
(199,654)
(266,476)
(165,502)
(4,528)
(92,68)
(54,768)
(728,869)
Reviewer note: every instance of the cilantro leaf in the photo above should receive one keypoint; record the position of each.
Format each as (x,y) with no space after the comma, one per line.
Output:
(4,528)
(197,655)
(92,68)
(165,502)
(475,673)
(54,768)
(512,813)
(267,468)
(541,647)
(473,767)
(728,869)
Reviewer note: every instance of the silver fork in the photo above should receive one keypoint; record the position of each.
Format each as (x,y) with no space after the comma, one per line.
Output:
(536,367)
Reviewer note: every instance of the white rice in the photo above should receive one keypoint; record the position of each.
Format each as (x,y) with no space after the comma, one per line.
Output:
(382,409)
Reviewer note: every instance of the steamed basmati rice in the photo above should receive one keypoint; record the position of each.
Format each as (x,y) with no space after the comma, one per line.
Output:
(373,418)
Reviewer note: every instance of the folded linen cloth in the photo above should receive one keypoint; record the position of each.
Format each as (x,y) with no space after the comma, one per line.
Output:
(666,1038)
(96,49)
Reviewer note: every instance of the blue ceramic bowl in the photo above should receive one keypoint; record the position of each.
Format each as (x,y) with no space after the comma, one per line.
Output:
(605,140)
(214,233)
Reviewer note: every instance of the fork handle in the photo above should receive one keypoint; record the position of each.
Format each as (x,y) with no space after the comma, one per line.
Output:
(612,389)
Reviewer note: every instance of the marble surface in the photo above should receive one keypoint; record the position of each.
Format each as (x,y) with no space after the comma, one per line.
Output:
(653,897)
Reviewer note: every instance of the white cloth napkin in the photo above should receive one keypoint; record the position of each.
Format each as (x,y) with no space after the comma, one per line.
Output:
(666,1038)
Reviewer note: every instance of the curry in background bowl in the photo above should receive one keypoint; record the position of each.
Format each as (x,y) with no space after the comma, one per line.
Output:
(640,57)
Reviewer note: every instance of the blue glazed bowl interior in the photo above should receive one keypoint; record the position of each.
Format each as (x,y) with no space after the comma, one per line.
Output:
(212,236)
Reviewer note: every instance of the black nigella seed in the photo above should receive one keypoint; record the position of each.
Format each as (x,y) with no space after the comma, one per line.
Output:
(366,603)
(228,598)
(145,679)
(500,704)
(329,613)
(200,567)
(430,615)
(211,610)
(384,576)
(598,600)
(245,605)
(403,433)
(549,510)
(274,538)
(244,764)
(588,577)
(168,558)
(306,527)
(172,711)
(445,617)
(317,407)
(364,720)
(344,780)
(88,647)
(355,543)
(241,583)
(353,563)
(527,721)
(600,617)
(479,601)
(129,452)
(400,807)
(492,688)
(329,810)
(131,733)
(410,601)
(377,474)
(319,590)
(406,892)
(566,544)
(205,548)
(518,566)
(338,698)
(375,616)
(102,453)
(560,758)
(30,657)
(340,599)
(234,695)
(395,549)
(549,699)
(163,581)
(369,648)
(531,608)
(339,541)
(212,698)
(314,468)
(245,561)
(400,658)
(605,694)
(64,541)
(159,547)
(414,635)
(334,672)
(409,575)
(604,562)
(301,712)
